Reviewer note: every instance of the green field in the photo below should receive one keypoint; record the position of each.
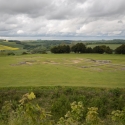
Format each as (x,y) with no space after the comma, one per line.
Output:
(91,70)
(112,46)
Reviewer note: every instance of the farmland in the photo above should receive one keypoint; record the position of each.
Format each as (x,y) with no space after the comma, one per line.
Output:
(2,47)
(90,70)
(10,44)
(57,80)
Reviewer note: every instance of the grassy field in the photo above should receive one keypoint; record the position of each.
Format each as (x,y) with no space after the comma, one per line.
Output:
(112,46)
(91,70)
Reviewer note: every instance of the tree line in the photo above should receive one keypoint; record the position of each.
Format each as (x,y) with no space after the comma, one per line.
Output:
(81,48)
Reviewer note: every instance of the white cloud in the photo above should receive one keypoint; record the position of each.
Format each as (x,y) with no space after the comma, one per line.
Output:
(62,18)
(20,31)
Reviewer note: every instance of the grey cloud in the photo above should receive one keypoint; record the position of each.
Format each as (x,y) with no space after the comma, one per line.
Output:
(106,8)
(61,17)
(52,9)
(120,21)
(31,8)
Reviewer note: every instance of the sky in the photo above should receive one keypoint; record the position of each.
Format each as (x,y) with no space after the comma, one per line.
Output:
(62,19)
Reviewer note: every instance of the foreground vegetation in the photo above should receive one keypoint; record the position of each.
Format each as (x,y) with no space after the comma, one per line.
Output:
(90,106)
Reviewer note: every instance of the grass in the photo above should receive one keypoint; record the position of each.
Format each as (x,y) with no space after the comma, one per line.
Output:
(62,70)
(112,46)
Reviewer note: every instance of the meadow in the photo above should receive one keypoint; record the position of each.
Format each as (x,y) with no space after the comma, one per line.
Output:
(88,70)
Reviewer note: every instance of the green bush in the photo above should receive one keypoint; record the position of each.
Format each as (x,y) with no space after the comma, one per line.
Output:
(58,100)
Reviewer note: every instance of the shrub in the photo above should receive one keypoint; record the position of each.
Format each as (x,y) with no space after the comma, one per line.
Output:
(24,53)
(26,113)
(10,53)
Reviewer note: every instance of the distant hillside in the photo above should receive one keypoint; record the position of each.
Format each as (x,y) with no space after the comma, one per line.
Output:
(11,44)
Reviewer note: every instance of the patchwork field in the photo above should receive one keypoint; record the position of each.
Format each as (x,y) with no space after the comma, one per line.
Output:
(11,47)
(91,70)
(2,47)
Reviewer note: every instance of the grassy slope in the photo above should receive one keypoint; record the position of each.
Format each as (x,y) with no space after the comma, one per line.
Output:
(39,73)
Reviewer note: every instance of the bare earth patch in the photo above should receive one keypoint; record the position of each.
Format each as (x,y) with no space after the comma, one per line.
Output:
(24,63)
(81,63)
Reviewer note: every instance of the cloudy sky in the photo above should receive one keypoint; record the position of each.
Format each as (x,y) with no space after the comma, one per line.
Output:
(62,18)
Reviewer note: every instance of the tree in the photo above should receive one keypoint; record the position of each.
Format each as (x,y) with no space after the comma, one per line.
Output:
(61,49)
(89,50)
(79,48)
(98,49)
(106,49)
(120,49)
